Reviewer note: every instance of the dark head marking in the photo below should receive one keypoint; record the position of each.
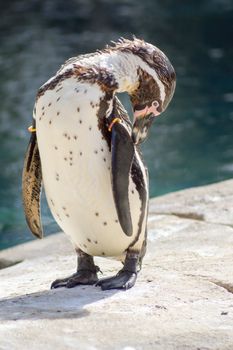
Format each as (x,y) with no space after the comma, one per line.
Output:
(155,59)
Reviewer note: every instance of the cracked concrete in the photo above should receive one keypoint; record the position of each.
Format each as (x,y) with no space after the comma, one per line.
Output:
(228,287)
(183,299)
(7,263)
(212,203)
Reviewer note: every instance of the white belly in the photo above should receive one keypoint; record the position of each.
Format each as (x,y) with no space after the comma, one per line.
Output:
(76,170)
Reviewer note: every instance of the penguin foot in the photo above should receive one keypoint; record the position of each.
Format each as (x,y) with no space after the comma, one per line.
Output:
(81,277)
(123,280)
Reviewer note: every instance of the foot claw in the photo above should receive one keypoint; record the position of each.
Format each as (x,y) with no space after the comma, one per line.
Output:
(82,277)
(123,280)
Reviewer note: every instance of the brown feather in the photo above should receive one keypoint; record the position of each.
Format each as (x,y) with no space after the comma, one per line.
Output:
(31,187)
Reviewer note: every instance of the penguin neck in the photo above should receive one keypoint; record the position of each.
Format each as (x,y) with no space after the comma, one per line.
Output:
(124,68)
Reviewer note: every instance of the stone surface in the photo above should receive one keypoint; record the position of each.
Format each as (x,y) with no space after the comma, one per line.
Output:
(183,299)
(6,263)
(211,203)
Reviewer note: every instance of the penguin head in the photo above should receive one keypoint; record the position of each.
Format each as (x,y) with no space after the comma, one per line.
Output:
(155,88)
(151,81)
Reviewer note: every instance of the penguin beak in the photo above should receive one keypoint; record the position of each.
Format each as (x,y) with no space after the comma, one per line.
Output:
(141,127)
(143,118)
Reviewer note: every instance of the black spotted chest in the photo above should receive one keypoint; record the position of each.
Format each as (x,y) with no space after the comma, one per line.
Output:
(76,167)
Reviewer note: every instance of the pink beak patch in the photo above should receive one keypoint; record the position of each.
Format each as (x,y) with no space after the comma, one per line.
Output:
(148,110)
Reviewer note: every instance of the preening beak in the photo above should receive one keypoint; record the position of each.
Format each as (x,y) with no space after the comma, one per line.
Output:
(141,127)
(143,118)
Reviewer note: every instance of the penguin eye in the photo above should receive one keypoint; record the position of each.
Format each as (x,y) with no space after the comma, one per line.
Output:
(155,104)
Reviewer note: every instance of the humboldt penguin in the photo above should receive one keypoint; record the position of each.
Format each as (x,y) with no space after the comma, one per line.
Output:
(85,150)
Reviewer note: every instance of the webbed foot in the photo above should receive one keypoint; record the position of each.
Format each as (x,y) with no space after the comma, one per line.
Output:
(86,273)
(126,277)
(123,280)
(82,277)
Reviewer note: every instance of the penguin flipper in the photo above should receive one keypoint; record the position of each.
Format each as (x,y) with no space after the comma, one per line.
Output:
(122,149)
(31,187)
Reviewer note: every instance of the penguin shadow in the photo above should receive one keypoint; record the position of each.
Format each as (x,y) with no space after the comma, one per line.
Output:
(59,303)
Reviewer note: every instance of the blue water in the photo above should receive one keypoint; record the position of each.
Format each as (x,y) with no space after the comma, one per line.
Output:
(190,145)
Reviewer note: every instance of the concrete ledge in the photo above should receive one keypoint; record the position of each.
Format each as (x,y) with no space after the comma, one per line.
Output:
(183,298)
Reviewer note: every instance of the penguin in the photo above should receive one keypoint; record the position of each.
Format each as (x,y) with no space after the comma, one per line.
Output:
(86,151)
